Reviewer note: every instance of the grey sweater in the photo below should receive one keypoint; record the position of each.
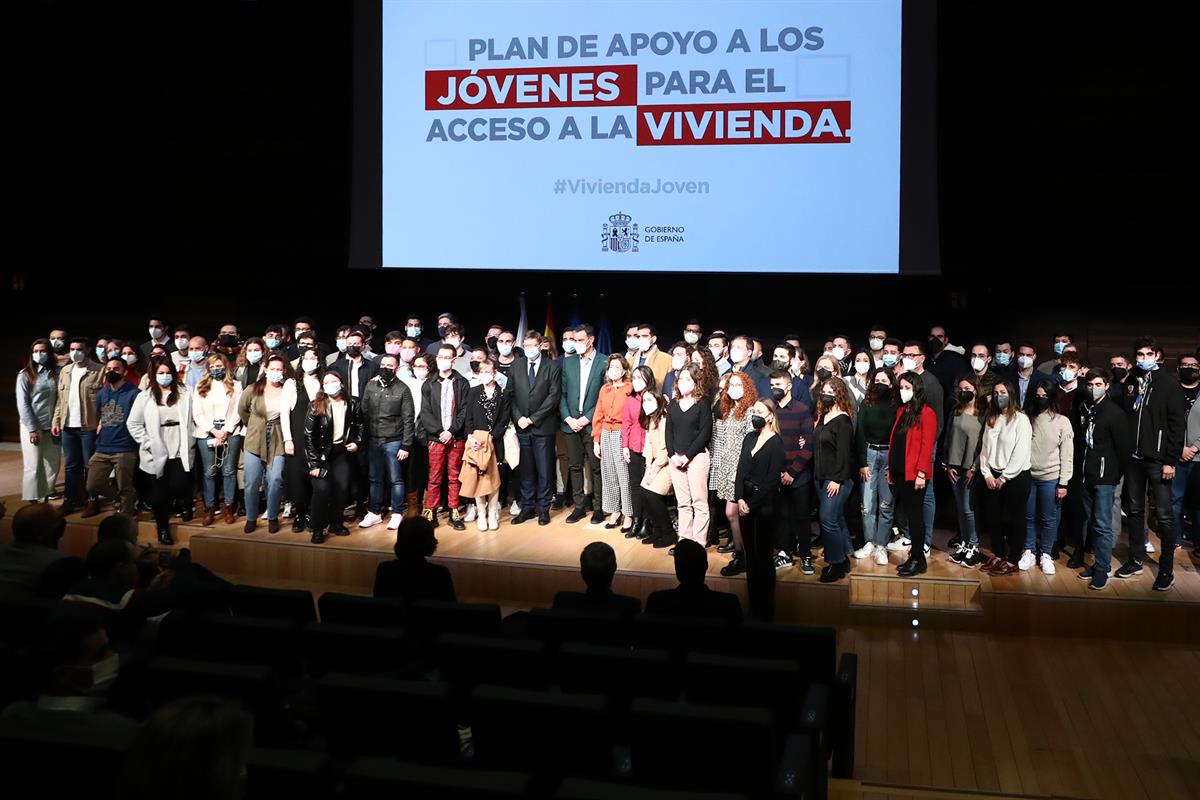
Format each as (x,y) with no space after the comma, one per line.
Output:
(962,441)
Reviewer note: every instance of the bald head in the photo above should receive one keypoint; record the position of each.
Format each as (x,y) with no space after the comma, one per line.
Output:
(39,523)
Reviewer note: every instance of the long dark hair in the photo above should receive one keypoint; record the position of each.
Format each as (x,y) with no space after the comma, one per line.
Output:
(659,412)
(31,367)
(912,411)
(647,375)
(156,391)
(993,409)
(260,384)
(892,397)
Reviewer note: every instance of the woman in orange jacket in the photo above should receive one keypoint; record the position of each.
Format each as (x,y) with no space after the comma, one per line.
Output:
(606,433)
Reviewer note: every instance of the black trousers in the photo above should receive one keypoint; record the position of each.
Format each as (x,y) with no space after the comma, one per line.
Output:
(329,492)
(416,471)
(908,497)
(794,519)
(1142,476)
(758,536)
(656,510)
(359,477)
(174,485)
(580,456)
(297,485)
(1004,516)
(637,471)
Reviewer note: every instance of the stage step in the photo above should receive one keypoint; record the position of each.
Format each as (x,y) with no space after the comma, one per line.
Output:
(917,594)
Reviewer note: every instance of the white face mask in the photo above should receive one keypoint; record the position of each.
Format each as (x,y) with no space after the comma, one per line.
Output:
(164,379)
(631,343)
(906,395)
(910,364)
(486,377)
(454,343)
(309,365)
(691,337)
(685,387)
(333,388)
(156,333)
(639,385)
(78,356)
(737,355)
(181,343)
(1024,362)
(615,374)
(444,364)
(677,362)
(643,344)
(861,368)
(275,375)
(129,358)
(716,353)
(254,356)
(838,352)
(649,407)
(532,352)
(736,391)
(421,373)
(877,344)
(977,364)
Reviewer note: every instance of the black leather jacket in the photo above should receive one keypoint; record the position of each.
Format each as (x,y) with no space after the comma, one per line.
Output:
(318,433)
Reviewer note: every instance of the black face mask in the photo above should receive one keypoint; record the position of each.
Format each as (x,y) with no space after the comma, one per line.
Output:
(386,374)
(58,347)
(227,340)
(475,366)
(114,377)
(777,394)
(757,422)
(1041,403)
(828,399)
(779,365)
(824,374)
(354,351)
(965,397)
(1188,374)
(935,345)
(1119,373)
(490,343)
(879,391)
(217,374)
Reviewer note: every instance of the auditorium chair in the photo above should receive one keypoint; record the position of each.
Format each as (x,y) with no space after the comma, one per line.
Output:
(813,649)
(61,764)
(556,626)
(238,640)
(618,673)
(770,684)
(582,789)
(465,661)
(373,778)
(353,609)
(681,635)
(411,720)
(258,601)
(22,621)
(359,650)
(294,774)
(430,619)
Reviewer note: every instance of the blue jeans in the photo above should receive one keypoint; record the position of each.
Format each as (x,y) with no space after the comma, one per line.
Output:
(832,514)
(79,445)
(1184,474)
(229,465)
(964,497)
(255,469)
(1041,517)
(1097,510)
(381,462)
(877,500)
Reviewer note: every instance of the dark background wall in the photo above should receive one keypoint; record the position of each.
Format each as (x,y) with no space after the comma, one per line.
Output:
(191,159)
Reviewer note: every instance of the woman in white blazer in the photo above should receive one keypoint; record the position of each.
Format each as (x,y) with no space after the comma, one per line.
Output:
(161,423)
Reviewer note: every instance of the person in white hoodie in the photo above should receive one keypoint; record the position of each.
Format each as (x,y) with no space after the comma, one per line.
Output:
(1004,464)
(218,435)
(1052,465)
(161,423)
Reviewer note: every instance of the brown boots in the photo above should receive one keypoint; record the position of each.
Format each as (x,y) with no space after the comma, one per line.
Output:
(230,513)
(411,505)
(208,515)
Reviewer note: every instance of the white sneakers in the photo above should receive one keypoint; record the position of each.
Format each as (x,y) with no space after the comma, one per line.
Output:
(1027,561)
(899,543)
(865,551)
(881,556)
(493,515)
(370,520)
(479,511)
(1047,564)
(515,508)
(470,517)
(1149,545)
(394,522)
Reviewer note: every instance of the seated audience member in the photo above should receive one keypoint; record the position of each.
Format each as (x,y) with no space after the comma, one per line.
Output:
(598,565)
(692,598)
(195,748)
(410,577)
(31,564)
(76,667)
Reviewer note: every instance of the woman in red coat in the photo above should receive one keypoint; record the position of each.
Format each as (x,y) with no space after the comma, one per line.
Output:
(910,463)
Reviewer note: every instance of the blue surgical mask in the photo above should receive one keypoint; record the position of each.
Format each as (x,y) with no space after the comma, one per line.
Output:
(275,375)
(890,360)
(569,346)
(505,349)
(413,331)
(341,345)
(532,352)
(196,356)
(1004,359)
(272,342)
(164,379)
(254,356)
(1147,364)
(1059,347)
(1067,375)
(41,358)
(100,353)
(631,343)
(333,389)
(111,354)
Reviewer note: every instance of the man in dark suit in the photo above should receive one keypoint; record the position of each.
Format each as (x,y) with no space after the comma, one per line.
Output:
(598,564)
(582,378)
(692,598)
(1023,376)
(536,392)
(356,370)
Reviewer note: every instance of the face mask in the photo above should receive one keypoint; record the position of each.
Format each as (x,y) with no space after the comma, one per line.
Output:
(112,376)
(41,358)
(1119,373)
(490,343)
(736,391)
(861,368)
(889,360)
(631,343)
(353,350)
(111,354)
(181,343)
(487,377)
(421,373)
(392,348)
(677,362)
(1002,401)
(906,395)
(977,364)
(156,333)
(1067,375)
(1188,374)
(386,374)
(407,354)
(649,407)
(333,389)
(444,364)
(639,385)
(838,352)
(569,346)
(780,365)
(309,365)
(716,353)
(78,356)
(340,344)
(504,348)
(227,339)
(1147,364)
(1039,403)
(253,356)
(1025,362)
(738,355)
(271,342)
(58,345)
(218,373)
(100,353)
(691,337)
(1098,393)
(935,345)
(1004,359)
(824,374)
(532,353)
(1059,347)
(777,393)
(454,343)
(442,331)
(879,391)
(910,364)
(616,374)
(413,331)
(877,344)
(828,399)
(965,397)
(275,375)
(757,422)
(643,344)
(196,356)
(475,367)
(164,379)
(685,388)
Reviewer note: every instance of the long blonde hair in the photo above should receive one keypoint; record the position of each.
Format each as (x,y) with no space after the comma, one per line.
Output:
(773,422)
(205,384)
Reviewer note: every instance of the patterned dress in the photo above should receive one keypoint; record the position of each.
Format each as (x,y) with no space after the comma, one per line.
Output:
(724,450)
